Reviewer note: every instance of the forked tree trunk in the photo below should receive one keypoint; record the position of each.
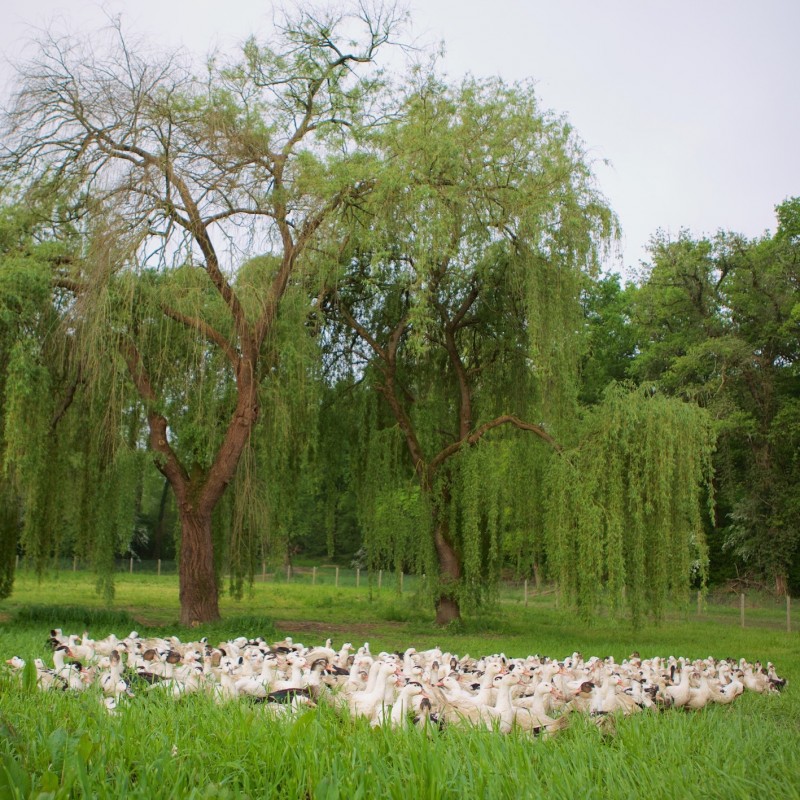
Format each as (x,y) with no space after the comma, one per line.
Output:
(199,593)
(447,607)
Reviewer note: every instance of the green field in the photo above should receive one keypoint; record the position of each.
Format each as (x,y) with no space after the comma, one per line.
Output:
(59,745)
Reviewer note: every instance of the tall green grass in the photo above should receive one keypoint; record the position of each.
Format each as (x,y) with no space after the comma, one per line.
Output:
(63,745)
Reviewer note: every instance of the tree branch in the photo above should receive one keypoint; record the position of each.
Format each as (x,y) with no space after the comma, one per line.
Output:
(211,333)
(474,438)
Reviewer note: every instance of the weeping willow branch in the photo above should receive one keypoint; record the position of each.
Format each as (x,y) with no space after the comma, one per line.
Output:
(474,438)
(66,402)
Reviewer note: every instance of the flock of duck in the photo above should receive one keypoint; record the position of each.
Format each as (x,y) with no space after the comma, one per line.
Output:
(535,694)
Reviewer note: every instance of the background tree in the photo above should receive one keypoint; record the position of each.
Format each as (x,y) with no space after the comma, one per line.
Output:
(719,325)
(176,178)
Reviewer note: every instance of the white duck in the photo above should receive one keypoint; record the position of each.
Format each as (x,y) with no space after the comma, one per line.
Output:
(366,703)
(679,694)
(403,705)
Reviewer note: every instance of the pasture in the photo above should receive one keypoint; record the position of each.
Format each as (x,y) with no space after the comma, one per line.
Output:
(59,745)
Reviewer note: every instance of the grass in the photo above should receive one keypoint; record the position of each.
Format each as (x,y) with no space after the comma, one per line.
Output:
(64,745)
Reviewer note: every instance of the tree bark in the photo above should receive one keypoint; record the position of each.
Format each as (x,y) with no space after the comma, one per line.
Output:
(199,594)
(447,605)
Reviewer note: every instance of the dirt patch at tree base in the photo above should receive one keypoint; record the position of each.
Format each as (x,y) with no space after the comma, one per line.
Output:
(324,628)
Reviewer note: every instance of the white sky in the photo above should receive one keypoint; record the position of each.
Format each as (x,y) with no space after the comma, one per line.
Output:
(696,103)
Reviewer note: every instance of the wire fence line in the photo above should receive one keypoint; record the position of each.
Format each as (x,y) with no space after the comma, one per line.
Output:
(747,609)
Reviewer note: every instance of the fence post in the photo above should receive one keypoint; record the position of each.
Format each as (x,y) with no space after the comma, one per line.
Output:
(358,577)
(337,576)
(288,572)
(526,591)
(380,578)
(16,566)
(158,568)
(313,576)
(788,614)
(74,563)
(131,566)
(401,582)
(741,608)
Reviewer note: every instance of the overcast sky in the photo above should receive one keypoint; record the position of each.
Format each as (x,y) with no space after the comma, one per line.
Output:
(695,103)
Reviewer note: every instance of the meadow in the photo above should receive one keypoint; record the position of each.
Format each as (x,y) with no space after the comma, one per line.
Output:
(59,745)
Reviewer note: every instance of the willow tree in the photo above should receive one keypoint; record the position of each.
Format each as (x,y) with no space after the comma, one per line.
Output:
(625,507)
(458,300)
(460,285)
(180,178)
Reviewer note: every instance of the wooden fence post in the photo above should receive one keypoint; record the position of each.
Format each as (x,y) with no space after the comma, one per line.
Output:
(741,608)
(74,563)
(313,576)
(131,567)
(358,577)
(158,568)
(337,576)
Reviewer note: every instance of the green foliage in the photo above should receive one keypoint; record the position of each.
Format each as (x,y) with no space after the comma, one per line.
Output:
(717,324)
(610,336)
(460,280)
(624,506)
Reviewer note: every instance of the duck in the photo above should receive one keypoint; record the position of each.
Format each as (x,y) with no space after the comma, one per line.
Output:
(775,682)
(730,690)
(531,715)
(754,681)
(403,705)
(701,695)
(295,662)
(604,695)
(17,664)
(225,690)
(367,702)
(111,681)
(679,694)
(179,687)
(47,678)
(83,649)
(261,684)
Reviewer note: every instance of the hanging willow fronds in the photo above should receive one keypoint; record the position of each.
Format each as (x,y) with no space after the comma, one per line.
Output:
(624,505)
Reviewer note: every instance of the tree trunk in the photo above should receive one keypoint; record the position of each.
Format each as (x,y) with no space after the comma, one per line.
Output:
(447,607)
(199,593)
